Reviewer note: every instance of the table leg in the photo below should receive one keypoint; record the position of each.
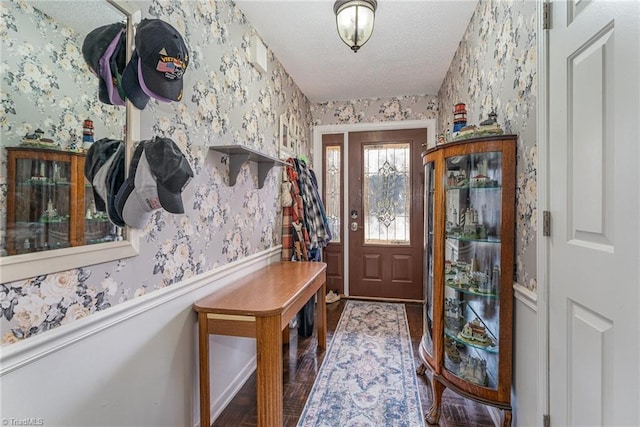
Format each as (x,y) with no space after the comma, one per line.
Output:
(322,316)
(203,357)
(269,371)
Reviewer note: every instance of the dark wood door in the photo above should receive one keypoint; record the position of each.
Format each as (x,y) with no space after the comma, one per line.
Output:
(386,214)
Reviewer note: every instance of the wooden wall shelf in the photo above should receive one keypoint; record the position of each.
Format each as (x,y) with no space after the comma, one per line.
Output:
(239,154)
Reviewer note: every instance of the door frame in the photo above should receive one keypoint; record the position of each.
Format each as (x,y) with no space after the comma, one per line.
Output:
(345,129)
(542,242)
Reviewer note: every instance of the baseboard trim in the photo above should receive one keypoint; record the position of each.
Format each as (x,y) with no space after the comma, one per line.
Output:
(18,355)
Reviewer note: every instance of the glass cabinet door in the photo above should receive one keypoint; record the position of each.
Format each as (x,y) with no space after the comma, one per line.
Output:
(473,186)
(43,201)
(428,258)
(50,203)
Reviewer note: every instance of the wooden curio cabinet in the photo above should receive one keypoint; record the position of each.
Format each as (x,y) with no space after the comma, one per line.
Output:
(50,202)
(468,270)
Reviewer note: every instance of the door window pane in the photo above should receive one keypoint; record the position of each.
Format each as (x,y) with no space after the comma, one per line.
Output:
(387,194)
(333,193)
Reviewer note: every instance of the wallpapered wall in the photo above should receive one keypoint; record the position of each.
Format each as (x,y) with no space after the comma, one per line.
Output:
(494,68)
(417,107)
(226,101)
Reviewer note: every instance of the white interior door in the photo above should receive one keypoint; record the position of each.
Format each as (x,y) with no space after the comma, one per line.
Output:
(594,298)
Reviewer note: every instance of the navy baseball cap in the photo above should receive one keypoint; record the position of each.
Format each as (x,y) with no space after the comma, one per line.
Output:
(131,84)
(158,65)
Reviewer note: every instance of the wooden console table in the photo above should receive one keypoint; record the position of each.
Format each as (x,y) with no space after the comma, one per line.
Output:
(260,305)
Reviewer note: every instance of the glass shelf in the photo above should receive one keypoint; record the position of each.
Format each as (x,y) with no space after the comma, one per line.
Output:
(454,336)
(469,291)
(474,187)
(465,239)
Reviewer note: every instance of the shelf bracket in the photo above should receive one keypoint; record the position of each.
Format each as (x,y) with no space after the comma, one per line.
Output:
(239,155)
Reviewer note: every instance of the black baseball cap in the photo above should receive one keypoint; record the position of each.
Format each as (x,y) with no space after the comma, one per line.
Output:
(111,67)
(99,153)
(158,65)
(171,171)
(98,49)
(114,180)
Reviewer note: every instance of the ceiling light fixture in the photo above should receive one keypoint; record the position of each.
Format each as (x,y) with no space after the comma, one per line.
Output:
(354,19)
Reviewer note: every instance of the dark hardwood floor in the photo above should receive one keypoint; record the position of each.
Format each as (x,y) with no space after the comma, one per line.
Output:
(302,361)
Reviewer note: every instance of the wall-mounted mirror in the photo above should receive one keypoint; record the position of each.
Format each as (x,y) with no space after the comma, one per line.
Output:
(52,113)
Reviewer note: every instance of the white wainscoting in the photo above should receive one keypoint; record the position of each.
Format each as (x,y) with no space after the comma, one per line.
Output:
(524,391)
(135,364)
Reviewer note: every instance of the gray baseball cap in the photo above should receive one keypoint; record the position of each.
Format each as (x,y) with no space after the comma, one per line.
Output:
(138,198)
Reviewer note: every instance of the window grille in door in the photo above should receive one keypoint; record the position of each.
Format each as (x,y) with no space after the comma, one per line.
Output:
(333,193)
(387,194)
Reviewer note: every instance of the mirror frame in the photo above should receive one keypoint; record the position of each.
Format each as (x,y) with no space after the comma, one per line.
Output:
(25,266)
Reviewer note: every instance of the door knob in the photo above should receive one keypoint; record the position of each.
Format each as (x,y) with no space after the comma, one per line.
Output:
(354,226)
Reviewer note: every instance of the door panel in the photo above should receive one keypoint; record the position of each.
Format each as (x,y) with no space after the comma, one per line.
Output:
(386,214)
(594,297)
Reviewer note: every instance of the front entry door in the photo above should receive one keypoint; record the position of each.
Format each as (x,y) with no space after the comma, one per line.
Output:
(594,298)
(385,214)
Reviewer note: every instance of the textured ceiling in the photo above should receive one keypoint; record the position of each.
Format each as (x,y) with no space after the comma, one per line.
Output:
(409,52)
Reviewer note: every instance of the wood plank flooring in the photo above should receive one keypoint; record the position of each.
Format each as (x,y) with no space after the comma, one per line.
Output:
(302,361)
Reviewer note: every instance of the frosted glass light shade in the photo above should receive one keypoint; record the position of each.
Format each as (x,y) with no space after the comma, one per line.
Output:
(354,19)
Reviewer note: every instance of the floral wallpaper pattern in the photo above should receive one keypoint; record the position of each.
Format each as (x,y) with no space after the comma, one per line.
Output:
(417,107)
(494,68)
(226,101)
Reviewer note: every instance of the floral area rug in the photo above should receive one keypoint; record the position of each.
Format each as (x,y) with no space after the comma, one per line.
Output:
(368,376)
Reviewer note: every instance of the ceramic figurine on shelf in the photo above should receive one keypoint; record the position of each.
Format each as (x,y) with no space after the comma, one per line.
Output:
(474,369)
(459,117)
(492,120)
(87,134)
(490,126)
(495,279)
(51,212)
(37,139)
(73,145)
